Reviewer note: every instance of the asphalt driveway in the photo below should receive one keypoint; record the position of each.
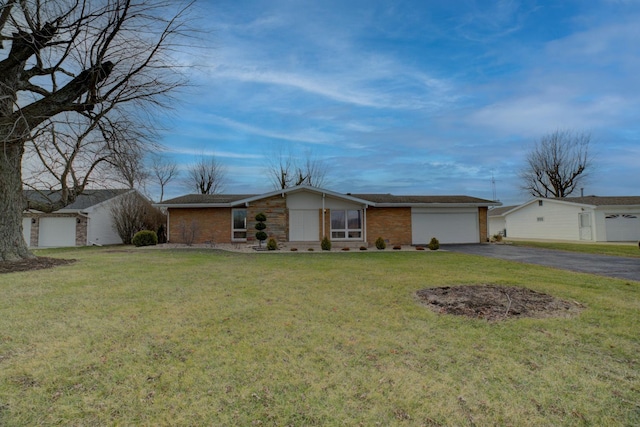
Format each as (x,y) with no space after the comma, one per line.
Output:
(604,265)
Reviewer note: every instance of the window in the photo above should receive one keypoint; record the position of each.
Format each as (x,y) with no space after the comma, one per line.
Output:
(346,224)
(239,225)
(540,203)
(540,219)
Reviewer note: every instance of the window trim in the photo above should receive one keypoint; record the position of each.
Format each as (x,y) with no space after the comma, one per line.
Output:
(346,230)
(235,230)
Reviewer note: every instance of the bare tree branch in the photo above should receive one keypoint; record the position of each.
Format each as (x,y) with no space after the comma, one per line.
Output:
(206,176)
(164,170)
(557,164)
(78,82)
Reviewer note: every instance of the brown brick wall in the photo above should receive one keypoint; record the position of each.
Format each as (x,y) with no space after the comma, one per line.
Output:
(483,219)
(392,224)
(210,225)
(275,208)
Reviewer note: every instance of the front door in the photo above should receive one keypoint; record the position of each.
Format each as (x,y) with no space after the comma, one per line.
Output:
(585,226)
(304,225)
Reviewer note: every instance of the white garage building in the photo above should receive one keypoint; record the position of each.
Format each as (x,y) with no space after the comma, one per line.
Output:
(590,218)
(87,221)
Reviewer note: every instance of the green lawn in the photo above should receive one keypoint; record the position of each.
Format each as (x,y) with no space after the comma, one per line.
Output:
(623,249)
(187,337)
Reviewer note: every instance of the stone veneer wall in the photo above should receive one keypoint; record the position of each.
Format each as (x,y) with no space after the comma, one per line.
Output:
(211,225)
(82,224)
(275,208)
(396,223)
(483,213)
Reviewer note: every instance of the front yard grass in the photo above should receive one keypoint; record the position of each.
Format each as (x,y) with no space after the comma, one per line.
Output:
(625,250)
(188,337)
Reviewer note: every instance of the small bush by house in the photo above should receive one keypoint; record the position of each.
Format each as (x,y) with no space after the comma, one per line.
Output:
(145,238)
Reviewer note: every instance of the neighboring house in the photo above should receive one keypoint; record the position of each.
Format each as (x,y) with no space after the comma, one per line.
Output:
(87,221)
(590,218)
(307,214)
(497,221)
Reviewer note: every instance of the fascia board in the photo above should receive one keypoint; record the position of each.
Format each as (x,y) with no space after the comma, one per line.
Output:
(193,205)
(435,205)
(305,188)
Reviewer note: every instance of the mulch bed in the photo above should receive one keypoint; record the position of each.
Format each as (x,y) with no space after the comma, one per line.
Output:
(492,302)
(37,263)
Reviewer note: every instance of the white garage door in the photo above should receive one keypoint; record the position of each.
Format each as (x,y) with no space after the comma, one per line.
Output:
(26,230)
(452,227)
(56,232)
(622,227)
(303,225)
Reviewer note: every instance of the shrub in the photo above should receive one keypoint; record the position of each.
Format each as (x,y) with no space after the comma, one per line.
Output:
(294,249)
(380,243)
(497,237)
(397,247)
(145,238)
(272,245)
(363,248)
(345,249)
(419,248)
(325,244)
(260,226)
(434,244)
(310,249)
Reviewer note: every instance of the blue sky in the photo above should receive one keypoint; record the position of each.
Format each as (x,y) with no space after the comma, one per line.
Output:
(411,97)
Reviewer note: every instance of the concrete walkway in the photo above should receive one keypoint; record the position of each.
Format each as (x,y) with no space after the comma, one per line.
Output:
(604,265)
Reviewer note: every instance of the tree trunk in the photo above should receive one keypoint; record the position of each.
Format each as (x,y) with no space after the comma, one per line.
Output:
(12,203)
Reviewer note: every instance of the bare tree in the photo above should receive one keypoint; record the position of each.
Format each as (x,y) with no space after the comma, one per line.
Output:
(558,163)
(312,171)
(279,168)
(74,76)
(286,170)
(206,176)
(129,169)
(132,213)
(164,171)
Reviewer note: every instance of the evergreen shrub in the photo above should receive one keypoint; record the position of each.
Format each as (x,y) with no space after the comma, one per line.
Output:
(434,244)
(145,238)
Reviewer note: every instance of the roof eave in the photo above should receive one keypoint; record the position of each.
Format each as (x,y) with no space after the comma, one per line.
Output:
(193,205)
(436,205)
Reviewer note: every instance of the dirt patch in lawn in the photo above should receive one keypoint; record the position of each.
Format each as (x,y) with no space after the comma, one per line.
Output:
(37,263)
(492,302)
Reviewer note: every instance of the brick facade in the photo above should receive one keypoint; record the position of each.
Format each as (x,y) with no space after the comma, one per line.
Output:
(392,224)
(213,225)
(206,225)
(483,213)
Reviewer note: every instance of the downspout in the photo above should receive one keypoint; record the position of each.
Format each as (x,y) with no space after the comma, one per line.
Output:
(323,219)
(364,223)
(168,219)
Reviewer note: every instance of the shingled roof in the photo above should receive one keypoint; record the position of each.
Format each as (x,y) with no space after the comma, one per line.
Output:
(85,200)
(383,199)
(603,201)
(220,200)
(202,199)
(501,210)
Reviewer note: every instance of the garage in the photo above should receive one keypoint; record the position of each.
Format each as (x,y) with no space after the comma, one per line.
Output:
(622,227)
(448,226)
(57,232)
(26,230)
